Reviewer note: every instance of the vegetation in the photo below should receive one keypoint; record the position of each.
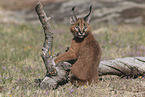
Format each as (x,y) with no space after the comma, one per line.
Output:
(21,64)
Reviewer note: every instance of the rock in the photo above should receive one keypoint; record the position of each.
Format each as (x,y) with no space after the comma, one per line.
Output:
(118,11)
(108,11)
(133,15)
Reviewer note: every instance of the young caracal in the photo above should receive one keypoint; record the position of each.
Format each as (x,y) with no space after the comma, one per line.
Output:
(84,49)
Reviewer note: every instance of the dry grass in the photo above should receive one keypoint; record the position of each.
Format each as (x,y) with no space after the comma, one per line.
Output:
(20,61)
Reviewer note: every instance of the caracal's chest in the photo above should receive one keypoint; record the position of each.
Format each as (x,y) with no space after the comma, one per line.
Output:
(80,48)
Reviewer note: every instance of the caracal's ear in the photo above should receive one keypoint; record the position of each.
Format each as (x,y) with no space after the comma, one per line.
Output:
(88,17)
(73,17)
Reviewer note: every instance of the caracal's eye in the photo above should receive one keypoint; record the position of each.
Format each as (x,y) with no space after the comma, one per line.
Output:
(78,24)
(77,28)
(85,28)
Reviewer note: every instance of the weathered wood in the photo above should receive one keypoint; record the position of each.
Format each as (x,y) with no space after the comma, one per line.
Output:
(47,46)
(55,74)
(129,66)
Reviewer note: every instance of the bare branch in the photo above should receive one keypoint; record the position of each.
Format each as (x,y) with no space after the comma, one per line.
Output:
(55,74)
(47,46)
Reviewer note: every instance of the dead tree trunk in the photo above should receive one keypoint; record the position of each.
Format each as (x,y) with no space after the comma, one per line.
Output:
(129,66)
(47,46)
(55,74)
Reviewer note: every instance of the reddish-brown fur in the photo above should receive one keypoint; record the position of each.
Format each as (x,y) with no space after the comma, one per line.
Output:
(87,53)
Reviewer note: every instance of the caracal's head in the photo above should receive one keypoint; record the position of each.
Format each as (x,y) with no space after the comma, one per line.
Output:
(80,26)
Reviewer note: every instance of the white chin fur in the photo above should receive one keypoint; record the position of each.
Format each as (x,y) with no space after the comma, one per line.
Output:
(81,36)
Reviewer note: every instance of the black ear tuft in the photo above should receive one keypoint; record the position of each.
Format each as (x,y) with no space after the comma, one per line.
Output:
(91,7)
(88,17)
(73,8)
(73,17)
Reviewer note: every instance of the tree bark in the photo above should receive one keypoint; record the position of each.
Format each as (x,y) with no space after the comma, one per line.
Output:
(55,74)
(47,46)
(129,66)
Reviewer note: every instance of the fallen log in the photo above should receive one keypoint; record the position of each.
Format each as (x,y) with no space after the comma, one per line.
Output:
(129,66)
